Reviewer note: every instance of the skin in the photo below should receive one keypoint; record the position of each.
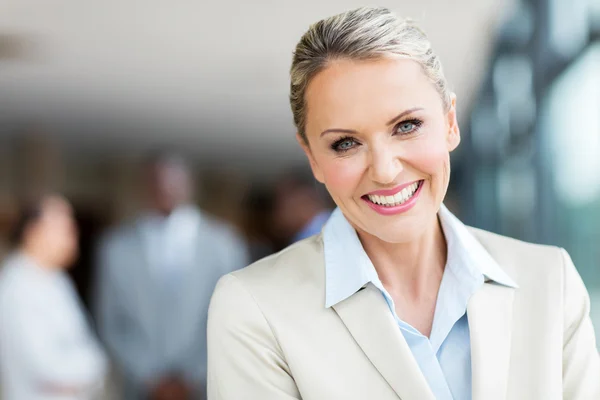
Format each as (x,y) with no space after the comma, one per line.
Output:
(52,240)
(169,185)
(295,206)
(353,106)
(171,389)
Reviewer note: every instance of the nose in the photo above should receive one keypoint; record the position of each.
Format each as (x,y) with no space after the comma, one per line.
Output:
(385,165)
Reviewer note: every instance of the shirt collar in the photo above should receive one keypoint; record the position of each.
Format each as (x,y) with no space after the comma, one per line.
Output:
(184,215)
(183,209)
(462,244)
(348,268)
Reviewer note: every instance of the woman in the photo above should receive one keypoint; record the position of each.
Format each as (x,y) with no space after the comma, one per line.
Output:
(47,349)
(396,298)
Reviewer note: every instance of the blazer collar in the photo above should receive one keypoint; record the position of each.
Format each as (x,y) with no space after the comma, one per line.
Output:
(372,325)
(352,293)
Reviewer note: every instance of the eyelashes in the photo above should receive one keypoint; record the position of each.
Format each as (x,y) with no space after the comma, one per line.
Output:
(343,144)
(404,128)
(408,126)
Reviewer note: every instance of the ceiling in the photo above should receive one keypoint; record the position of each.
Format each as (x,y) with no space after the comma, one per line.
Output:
(117,76)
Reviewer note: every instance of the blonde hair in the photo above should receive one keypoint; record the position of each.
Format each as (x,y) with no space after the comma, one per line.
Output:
(362,34)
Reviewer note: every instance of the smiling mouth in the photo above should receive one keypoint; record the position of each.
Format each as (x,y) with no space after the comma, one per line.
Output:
(399,198)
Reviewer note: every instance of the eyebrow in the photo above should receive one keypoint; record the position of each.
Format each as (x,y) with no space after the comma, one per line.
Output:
(390,122)
(402,114)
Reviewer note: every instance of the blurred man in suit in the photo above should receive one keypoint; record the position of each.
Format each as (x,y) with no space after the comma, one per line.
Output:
(156,277)
(47,349)
(299,208)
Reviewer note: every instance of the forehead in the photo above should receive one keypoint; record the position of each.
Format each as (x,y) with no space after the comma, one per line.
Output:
(351,93)
(165,170)
(56,206)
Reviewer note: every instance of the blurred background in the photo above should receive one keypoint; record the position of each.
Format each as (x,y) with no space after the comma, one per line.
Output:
(88,88)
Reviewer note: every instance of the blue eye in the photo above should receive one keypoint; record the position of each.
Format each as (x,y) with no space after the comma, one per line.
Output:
(344,144)
(406,127)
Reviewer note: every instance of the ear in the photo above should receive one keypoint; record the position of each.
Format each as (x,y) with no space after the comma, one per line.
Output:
(313,164)
(453,135)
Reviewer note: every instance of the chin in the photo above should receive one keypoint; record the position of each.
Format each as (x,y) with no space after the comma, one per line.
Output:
(393,234)
(402,228)
(70,260)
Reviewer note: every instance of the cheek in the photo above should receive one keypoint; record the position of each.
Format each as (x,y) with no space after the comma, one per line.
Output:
(64,234)
(430,157)
(435,163)
(342,175)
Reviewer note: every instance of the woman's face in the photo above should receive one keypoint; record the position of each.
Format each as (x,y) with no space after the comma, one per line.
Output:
(55,233)
(379,138)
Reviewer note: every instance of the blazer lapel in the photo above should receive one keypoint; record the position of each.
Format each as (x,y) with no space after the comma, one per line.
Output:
(142,282)
(367,317)
(490,324)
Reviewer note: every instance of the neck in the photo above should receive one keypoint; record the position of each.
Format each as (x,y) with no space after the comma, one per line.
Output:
(414,268)
(165,212)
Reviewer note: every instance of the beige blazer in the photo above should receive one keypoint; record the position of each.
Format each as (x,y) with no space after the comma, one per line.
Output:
(271,337)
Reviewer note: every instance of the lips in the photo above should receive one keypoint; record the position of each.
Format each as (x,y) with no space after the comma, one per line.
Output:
(393,191)
(396,200)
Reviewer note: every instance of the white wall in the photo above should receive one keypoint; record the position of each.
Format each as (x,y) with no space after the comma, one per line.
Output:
(213,76)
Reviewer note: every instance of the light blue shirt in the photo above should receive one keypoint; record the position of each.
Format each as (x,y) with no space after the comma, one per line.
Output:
(444,357)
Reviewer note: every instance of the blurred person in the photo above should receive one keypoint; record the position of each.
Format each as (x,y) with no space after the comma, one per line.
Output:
(397,298)
(298,209)
(258,208)
(47,349)
(156,276)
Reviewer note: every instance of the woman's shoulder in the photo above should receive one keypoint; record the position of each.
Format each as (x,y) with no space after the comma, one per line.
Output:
(296,273)
(525,262)
(300,261)
(494,240)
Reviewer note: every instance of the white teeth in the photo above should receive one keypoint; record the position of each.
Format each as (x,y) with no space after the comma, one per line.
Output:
(398,198)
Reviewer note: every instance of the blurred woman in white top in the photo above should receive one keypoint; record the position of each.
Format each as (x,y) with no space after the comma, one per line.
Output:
(47,349)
